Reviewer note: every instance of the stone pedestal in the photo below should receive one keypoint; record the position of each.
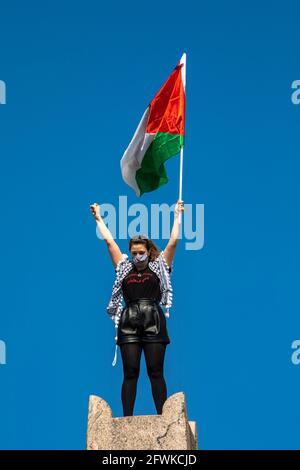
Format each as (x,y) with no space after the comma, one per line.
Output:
(169,431)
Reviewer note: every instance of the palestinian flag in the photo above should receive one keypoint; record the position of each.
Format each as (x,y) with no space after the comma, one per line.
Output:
(159,135)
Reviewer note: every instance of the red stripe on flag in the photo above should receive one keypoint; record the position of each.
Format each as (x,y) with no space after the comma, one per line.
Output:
(167,109)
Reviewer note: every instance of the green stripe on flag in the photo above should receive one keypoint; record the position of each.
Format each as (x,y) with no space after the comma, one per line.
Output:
(152,173)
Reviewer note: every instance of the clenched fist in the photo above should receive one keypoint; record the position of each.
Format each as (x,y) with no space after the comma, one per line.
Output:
(179,207)
(95,209)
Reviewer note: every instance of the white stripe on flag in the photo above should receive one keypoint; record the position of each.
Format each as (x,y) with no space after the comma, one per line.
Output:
(134,154)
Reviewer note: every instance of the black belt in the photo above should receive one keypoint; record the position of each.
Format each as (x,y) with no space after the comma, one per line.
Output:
(142,300)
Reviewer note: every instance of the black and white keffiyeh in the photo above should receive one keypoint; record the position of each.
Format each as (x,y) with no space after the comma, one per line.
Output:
(159,267)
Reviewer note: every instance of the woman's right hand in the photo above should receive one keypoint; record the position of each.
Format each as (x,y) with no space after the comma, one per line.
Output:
(95,209)
(114,250)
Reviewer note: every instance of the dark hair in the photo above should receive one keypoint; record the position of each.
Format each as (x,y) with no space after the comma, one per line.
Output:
(149,244)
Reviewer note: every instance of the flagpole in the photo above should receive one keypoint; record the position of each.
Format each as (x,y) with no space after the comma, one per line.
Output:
(180,180)
(182,61)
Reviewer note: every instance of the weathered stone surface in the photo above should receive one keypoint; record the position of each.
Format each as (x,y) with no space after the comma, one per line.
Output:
(169,431)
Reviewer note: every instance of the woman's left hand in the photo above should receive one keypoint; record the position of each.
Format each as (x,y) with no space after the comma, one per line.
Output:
(179,207)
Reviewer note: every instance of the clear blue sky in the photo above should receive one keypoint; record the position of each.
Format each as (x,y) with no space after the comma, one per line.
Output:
(79,76)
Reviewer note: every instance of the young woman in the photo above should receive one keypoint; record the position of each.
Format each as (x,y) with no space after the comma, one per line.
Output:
(144,284)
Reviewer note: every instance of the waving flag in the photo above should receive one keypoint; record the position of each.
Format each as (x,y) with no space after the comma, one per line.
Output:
(159,136)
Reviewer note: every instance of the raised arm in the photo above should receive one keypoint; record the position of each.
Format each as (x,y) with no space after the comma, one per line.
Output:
(169,251)
(113,248)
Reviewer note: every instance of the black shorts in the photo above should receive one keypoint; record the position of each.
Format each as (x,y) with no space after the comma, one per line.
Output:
(142,320)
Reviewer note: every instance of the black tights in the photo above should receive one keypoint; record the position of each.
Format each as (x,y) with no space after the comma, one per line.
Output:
(131,356)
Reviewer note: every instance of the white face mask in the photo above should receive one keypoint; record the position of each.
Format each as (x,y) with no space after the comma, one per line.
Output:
(139,259)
